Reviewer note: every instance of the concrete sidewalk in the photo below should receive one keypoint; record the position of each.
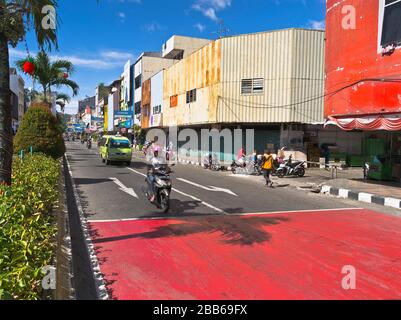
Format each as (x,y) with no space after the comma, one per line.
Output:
(350,184)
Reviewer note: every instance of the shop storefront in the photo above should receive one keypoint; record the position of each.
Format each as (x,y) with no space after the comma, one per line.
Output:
(363,82)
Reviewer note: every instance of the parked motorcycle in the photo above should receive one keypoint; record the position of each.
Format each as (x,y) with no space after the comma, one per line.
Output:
(212,163)
(163,186)
(247,166)
(291,168)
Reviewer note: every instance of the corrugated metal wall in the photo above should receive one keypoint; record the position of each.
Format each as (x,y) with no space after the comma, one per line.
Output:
(291,62)
(200,71)
(308,76)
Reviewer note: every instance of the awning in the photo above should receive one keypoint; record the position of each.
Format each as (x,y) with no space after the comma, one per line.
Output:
(390,122)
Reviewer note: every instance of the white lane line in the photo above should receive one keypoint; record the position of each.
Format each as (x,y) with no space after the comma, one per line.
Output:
(186,195)
(210,188)
(125,189)
(234,215)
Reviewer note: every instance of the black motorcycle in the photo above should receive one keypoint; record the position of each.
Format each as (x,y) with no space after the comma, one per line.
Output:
(291,168)
(163,186)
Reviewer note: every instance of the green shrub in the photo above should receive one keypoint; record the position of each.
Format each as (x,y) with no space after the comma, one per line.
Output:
(41,130)
(27,226)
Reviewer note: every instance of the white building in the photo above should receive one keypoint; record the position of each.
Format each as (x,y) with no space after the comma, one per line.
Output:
(17,86)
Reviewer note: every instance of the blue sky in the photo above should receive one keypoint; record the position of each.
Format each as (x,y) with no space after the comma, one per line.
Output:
(100,37)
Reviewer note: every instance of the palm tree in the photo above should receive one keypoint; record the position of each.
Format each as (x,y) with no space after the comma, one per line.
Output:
(61,100)
(16,18)
(51,73)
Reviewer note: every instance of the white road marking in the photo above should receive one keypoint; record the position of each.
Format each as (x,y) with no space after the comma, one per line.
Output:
(210,188)
(185,194)
(125,189)
(234,215)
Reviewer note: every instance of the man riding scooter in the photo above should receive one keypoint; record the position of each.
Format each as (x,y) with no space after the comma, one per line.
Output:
(151,178)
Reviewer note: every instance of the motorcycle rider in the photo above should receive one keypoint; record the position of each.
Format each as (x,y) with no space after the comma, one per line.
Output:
(151,178)
(89,142)
(267,167)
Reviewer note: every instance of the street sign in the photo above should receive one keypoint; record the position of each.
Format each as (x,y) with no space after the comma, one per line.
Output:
(123,114)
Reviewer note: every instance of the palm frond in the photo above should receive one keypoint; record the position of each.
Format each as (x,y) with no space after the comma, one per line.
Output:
(34,16)
(66,82)
(63,97)
(63,66)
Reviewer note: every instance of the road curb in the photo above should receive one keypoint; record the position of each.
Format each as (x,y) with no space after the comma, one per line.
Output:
(100,285)
(361,196)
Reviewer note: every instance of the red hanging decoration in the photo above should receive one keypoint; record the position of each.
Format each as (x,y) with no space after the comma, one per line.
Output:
(63,75)
(29,67)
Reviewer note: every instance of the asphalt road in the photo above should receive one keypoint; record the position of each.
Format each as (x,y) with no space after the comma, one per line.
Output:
(229,237)
(193,192)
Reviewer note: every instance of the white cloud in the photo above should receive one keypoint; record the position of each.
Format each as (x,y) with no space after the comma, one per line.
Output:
(151,27)
(116,55)
(200,27)
(72,107)
(17,54)
(108,59)
(209,8)
(320,25)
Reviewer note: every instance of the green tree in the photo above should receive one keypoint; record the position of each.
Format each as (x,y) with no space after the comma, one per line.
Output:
(51,73)
(61,100)
(41,130)
(16,18)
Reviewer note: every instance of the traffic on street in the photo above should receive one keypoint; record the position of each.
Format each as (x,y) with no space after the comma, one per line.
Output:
(228,237)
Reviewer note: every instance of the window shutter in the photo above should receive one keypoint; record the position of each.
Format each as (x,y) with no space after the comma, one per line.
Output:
(246,86)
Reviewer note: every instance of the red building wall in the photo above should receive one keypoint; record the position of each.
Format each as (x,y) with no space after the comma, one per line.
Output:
(353,57)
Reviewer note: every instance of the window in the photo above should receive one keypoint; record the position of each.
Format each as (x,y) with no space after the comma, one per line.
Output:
(252,86)
(191,96)
(145,111)
(391,28)
(138,82)
(138,107)
(119,144)
(157,109)
(173,101)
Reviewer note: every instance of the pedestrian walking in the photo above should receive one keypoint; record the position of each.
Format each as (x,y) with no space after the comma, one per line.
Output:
(267,168)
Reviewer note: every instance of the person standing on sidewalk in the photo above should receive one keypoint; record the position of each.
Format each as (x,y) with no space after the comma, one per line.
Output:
(267,168)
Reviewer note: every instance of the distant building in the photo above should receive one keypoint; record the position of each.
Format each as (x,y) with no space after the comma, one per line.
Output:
(17,85)
(87,102)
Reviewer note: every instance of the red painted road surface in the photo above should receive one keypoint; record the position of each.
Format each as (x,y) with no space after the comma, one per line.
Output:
(279,256)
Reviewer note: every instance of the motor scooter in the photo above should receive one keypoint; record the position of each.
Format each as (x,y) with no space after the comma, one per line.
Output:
(163,187)
(290,168)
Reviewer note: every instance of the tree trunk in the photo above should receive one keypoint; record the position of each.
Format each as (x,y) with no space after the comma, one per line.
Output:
(44,93)
(6,133)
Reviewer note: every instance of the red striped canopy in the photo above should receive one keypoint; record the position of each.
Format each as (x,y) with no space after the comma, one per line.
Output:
(390,122)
